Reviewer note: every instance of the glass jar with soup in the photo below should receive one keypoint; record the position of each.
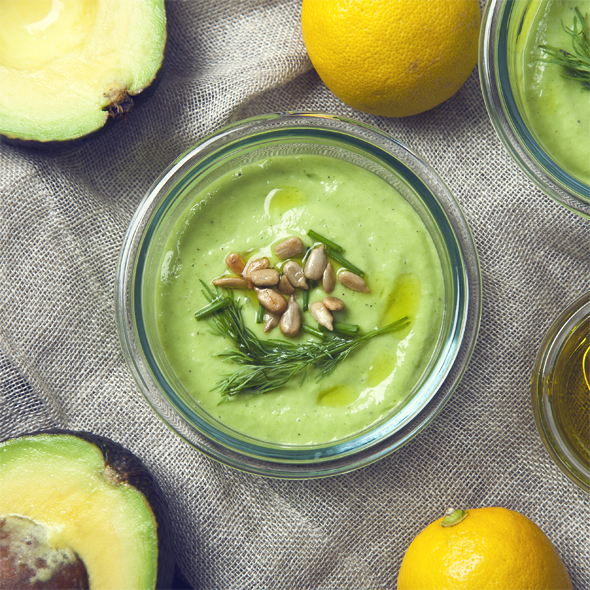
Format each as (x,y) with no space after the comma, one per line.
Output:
(298,295)
(537,91)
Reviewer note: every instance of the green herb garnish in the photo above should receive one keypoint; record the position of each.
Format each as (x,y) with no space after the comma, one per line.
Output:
(347,329)
(335,251)
(326,241)
(345,263)
(577,62)
(260,314)
(313,331)
(306,299)
(269,364)
(216,303)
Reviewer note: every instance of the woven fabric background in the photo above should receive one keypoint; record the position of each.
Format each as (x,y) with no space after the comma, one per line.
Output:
(62,221)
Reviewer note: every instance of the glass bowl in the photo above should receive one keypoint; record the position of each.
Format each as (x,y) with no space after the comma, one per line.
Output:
(561,394)
(293,134)
(503,23)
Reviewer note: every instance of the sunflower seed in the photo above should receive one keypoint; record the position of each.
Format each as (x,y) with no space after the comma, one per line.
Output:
(235,263)
(272,300)
(328,278)
(316,263)
(285,285)
(295,274)
(289,248)
(320,312)
(266,277)
(333,303)
(271,320)
(353,282)
(232,283)
(256,264)
(290,322)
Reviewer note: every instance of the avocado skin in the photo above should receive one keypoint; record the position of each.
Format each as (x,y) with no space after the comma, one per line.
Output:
(131,470)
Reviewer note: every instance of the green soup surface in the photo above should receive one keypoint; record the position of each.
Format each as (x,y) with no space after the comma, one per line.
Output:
(557,109)
(248,211)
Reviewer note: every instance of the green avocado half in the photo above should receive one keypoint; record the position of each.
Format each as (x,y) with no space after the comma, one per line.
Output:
(69,67)
(78,510)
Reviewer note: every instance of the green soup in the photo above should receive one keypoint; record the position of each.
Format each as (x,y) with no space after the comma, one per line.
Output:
(260,204)
(556,109)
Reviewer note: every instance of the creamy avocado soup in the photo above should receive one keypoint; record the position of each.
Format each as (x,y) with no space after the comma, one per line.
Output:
(556,109)
(249,211)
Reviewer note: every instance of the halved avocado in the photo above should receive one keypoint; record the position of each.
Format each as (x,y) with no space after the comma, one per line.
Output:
(95,514)
(67,67)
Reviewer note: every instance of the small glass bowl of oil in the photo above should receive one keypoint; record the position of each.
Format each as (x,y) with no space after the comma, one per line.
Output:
(561,391)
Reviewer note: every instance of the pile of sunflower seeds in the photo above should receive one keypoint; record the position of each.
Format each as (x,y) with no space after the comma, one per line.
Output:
(276,288)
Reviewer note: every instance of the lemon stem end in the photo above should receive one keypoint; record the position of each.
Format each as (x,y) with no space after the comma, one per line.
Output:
(454,517)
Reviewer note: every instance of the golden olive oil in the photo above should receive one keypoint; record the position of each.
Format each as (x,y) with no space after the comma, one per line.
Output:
(571,394)
(381,369)
(337,396)
(283,198)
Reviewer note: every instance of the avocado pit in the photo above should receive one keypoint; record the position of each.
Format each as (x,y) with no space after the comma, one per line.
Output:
(30,560)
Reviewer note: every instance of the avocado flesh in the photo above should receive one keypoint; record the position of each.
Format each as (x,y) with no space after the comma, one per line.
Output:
(63,63)
(63,482)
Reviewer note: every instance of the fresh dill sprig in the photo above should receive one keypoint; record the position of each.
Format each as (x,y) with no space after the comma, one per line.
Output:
(270,364)
(577,62)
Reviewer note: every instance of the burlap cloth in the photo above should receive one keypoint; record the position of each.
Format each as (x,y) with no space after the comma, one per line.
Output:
(63,218)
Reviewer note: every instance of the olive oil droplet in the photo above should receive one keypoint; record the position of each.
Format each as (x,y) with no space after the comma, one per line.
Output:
(338,396)
(281,199)
(404,300)
(381,368)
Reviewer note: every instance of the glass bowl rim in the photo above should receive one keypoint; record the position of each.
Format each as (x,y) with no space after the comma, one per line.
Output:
(284,465)
(554,340)
(509,125)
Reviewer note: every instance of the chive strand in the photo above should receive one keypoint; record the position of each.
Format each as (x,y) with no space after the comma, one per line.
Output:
(313,331)
(305,305)
(347,329)
(260,314)
(329,243)
(345,263)
(216,305)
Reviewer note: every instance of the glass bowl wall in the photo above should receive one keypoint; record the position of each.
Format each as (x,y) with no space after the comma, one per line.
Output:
(249,141)
(561,394)
(501,25)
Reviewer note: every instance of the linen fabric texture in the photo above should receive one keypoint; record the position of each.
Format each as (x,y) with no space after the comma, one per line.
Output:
(63,217)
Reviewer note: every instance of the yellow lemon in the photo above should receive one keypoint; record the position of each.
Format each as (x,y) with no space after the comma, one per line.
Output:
(481,549)
(392,57)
